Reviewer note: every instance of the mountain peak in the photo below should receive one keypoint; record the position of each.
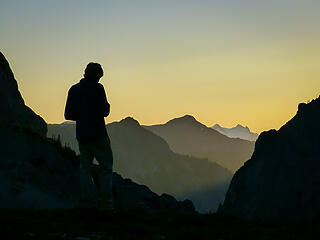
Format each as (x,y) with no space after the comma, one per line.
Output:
(184,119)
(187,116)
(130,121)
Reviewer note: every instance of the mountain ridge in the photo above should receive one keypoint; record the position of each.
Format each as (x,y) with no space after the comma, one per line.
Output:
(185,135)
(239,131)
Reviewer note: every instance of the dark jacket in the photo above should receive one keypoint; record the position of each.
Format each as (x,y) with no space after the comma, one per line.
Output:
(87,105)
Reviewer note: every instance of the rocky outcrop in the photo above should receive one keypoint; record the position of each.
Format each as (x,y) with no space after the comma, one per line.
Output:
(281,180)
(13,111)
(38,173)
(128,194)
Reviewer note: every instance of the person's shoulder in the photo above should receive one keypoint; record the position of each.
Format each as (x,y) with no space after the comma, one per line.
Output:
(100,87)
(74,87)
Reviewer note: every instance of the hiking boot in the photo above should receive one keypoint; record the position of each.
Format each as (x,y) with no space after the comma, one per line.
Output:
(104,206)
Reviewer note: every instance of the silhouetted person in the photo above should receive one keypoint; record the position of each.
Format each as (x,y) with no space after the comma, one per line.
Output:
(87,105)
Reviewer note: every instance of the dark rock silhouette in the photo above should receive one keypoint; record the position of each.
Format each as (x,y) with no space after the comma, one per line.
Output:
(13,111)
(38,173)
(129,194)
(238,131)
(281,180)
(186,135)
(147,159)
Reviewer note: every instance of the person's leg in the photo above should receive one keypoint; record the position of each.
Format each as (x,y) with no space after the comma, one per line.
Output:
(86,159)
(103,154)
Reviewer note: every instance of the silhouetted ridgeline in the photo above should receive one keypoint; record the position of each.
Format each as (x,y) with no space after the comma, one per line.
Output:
(147,159)
(38,173)
(281,180)
(13,110)
(186,135)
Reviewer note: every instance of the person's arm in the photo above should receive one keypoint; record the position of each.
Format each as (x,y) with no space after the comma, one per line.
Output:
(104,106)
(69,112)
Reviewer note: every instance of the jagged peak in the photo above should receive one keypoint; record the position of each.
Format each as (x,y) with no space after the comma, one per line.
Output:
(243,127)
(238,126)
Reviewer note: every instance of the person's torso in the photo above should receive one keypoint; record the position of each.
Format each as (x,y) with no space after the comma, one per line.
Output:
(89,123)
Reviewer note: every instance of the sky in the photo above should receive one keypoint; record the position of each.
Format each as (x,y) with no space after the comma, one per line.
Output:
(230,62)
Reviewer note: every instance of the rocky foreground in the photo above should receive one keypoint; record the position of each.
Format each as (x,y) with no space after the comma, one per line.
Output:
(89,224)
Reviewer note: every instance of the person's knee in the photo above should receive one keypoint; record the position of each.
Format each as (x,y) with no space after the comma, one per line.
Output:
(85,169)
(105,169)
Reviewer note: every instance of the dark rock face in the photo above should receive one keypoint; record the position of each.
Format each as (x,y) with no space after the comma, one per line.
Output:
(38,173)
(281,180)
(13,111)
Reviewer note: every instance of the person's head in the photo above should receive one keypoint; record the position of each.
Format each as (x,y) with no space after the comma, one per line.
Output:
(93,71)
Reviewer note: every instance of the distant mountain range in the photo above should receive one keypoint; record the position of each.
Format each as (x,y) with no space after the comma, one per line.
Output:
(238,131)
(185,135)
(147,159)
